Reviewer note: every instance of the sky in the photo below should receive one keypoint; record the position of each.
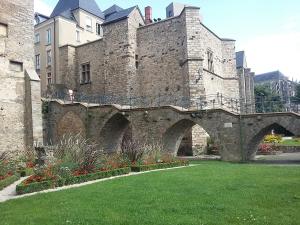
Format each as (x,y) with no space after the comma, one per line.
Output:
(267,30)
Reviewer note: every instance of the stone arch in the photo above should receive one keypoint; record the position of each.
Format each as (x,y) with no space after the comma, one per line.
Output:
(112,133)
(257,139)
(70,123)
(173,136)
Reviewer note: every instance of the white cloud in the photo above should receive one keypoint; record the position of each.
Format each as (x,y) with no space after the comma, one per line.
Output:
(41,7)
(274,52)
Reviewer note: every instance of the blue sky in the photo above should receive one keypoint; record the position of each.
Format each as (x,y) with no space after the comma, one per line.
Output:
(269,30)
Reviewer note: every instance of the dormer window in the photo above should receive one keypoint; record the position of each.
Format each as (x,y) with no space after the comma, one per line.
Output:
(88,23)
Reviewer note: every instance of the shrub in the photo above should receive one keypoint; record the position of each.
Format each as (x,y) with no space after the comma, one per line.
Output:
(272,139)
(78,152)
(267,148)
(26,187)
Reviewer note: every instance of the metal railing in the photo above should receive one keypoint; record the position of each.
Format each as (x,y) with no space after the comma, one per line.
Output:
(216,101)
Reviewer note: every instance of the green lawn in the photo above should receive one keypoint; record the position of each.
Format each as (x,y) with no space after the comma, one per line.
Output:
(210,193)
(292,142)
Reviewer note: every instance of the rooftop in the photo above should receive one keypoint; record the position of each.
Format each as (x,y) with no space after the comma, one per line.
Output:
(274,75)
(65,8)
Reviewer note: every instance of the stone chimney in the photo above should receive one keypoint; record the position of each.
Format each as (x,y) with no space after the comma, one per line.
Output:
(148,15)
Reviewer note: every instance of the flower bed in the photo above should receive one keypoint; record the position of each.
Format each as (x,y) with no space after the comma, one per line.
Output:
(8,181)
(141,168)
(28,187)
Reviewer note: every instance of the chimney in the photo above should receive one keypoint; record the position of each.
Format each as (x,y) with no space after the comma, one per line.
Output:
(148,15)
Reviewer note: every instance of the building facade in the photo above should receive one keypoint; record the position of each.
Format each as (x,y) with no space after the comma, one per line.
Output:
(246,80)
(176,61)
(71,22)
(280,85)
(20,100)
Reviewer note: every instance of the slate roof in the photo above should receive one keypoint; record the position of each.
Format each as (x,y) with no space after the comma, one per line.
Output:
(111,10)
(275,75)
(118,15)
(240,59)
(65,8)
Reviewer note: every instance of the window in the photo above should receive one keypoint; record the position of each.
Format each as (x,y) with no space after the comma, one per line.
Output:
(88,23)
(210,61)
(136,61)
(3,30)
(98,29)
(37,38)
(85,73)
(77,36)
(49,58)
(49,78)
(170,13)
(49,36)
(37,62)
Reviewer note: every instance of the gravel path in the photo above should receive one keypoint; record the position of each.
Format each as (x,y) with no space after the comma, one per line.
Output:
(10,192)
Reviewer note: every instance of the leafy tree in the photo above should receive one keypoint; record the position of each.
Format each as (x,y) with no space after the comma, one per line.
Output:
(296,98)
(266,101)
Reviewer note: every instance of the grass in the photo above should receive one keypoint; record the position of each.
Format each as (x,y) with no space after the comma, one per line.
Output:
(210,193)
(292,142)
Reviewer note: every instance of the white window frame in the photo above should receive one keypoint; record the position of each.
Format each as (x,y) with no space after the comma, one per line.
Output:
(37,38)
(77,35)
(89,24)
(48,36)
(37,61)
(49,57)
(98,29)
(49,78)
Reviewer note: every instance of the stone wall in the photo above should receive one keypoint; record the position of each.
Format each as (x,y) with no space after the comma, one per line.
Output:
(161,53)
(18,128)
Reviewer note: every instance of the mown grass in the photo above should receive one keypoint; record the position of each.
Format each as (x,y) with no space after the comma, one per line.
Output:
(209,193)
(291,142)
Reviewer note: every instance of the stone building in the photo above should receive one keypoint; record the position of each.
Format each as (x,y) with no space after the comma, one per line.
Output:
(246,79)
(176,61)
(279,84)
(20,101)
(73,22)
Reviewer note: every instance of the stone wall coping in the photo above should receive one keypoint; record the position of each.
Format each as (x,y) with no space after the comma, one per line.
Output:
(128,109)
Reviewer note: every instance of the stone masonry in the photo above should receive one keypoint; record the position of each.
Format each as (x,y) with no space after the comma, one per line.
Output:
(237,136)
(20,102)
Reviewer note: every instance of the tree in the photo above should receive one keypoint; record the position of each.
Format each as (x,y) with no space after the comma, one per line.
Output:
(266,101)
(296,99)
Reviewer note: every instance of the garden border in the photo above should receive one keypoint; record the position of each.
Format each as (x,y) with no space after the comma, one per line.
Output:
(50,184)
(143,168)
(8,181)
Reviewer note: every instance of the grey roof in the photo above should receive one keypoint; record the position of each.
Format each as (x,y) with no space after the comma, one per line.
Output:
(275,75)
(67,6)
(112,9)
(240,59)
(118,15)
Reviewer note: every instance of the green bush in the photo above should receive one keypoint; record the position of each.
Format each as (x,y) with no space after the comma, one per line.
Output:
(24,188)
(8,181)
(158,166)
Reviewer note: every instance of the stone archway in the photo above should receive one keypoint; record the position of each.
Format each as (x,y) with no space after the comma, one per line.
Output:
(113,132)
(70,124)
(173,136)
(257,139)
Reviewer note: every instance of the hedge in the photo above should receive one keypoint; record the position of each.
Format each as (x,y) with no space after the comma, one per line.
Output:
(8,181)
(40,186)
(158,166)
